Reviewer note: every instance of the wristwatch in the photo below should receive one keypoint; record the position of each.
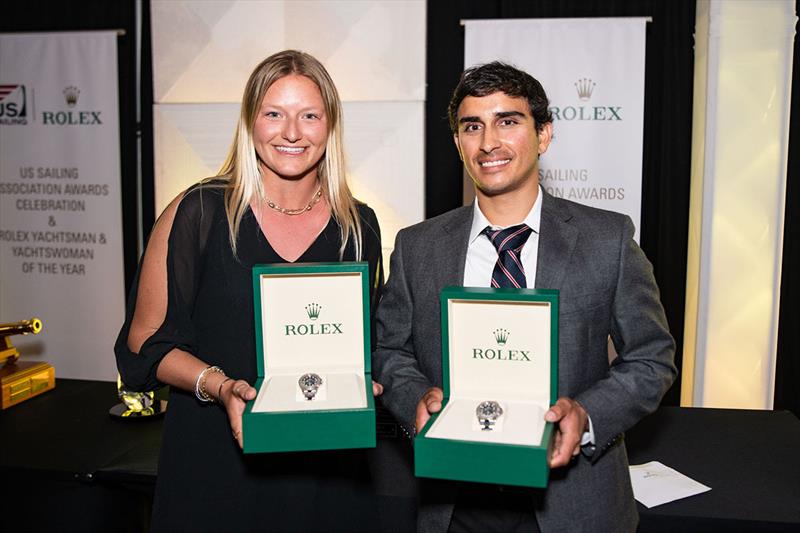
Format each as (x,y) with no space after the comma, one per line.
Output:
(309,384)
(488,412)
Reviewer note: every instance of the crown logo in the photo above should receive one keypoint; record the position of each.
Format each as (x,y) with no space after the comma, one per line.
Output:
(501,336)
(585,87)
(71,94)
(313,310)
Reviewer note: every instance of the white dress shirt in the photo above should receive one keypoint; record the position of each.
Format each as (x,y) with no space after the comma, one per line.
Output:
(482,256)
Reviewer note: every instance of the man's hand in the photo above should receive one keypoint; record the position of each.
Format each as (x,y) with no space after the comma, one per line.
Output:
(377,388)
(430,403)
(572,421)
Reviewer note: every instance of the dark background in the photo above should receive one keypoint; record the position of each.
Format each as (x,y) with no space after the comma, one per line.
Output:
(667,134)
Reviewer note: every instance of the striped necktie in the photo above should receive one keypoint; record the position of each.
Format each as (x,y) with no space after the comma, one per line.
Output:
(508,271)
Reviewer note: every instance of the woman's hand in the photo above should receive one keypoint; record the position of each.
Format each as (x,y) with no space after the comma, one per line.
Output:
(234,395)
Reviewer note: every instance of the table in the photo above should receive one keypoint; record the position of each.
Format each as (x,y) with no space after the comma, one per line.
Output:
(66,465)
(749,459)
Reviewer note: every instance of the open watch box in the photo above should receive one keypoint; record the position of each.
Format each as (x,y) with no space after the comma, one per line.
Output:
(313,348)
(500,376)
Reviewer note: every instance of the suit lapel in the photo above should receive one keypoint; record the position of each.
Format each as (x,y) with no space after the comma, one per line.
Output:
(557,239)
(450,249)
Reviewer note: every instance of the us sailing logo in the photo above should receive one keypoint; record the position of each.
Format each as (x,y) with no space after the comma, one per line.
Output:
(13,105)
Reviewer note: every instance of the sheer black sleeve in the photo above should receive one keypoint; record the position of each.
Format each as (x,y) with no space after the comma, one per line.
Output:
(162,298)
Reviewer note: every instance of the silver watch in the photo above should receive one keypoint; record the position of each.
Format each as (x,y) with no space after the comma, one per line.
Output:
(488,412)
(309,384)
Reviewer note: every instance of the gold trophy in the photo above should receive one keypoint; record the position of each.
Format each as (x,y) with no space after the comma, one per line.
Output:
(22,380)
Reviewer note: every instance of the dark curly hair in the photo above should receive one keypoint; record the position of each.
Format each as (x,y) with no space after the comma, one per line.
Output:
(483,80)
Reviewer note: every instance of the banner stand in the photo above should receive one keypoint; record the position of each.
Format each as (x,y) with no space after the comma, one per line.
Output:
(61,253)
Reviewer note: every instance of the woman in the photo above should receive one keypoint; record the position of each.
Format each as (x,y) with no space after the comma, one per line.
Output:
(281,196)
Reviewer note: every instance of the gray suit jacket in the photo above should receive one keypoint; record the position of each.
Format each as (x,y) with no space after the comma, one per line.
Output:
(606,288)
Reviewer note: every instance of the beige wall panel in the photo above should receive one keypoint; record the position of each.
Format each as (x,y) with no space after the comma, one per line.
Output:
(191,142)
(385,161)
(204,50)
(373,50)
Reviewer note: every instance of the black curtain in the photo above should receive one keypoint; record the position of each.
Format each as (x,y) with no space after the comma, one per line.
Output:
(146,127)
(787,375)
(669,74)
(43,16)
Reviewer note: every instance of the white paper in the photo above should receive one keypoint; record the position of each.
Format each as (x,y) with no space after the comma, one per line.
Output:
(656,484)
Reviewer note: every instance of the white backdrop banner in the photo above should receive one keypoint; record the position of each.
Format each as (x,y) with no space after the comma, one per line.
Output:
(593,73)
(60,206)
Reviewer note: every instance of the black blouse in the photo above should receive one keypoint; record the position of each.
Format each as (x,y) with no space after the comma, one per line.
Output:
(204,481)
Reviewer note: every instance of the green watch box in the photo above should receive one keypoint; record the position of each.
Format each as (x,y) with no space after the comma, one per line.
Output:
(500,376)
(312,321)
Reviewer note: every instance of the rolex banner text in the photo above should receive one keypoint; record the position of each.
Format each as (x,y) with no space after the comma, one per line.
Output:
(60,208)
(593,73)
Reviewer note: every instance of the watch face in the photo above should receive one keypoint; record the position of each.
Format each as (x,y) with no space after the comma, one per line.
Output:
(489,410)
(309,381)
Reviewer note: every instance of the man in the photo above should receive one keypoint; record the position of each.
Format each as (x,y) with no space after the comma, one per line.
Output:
(501,126)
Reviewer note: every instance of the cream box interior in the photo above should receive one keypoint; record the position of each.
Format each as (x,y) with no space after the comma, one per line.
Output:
(312,323)
(500,351)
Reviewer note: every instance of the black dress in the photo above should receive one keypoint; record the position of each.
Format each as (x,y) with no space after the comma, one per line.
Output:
(205,482)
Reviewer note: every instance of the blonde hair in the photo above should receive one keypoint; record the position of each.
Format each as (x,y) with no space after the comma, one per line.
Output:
(241,171)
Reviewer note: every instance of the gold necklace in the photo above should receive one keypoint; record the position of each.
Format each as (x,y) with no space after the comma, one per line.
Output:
(314,201)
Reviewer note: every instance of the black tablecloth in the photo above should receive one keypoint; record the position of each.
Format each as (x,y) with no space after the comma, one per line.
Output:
(748,458)
(67,433)
(66,465)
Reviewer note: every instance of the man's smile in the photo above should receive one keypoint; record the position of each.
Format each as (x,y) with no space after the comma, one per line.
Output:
(494,163)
